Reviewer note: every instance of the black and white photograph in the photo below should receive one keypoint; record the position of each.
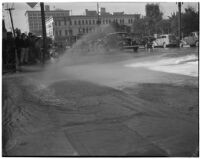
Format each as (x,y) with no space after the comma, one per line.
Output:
(100,79)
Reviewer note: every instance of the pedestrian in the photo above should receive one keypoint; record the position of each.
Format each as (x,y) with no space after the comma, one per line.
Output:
(4,50)
(24,49)
(149,45)
(18,44)
(31,55)
(10,52)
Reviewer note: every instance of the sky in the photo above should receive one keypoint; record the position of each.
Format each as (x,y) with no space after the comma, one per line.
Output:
(78,8)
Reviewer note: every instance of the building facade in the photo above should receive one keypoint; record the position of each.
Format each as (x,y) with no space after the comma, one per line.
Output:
(62,28)
(34,18)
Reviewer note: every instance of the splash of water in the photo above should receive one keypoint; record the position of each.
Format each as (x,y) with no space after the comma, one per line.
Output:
(185,65)
(88,49)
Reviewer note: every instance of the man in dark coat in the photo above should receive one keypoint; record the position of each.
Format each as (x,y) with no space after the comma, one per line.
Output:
(18,44)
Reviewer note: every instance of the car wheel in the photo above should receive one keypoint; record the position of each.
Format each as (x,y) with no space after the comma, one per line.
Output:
(197,44)
(164,45)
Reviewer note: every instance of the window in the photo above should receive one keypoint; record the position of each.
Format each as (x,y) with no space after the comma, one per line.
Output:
(82,21)
(75,22)
(79,22)
(70,22)
(89,21)
(66,32)
(59,23)
(93,21)
(65,22)
(70,32)
(86,22)
(60,32)
(56,33)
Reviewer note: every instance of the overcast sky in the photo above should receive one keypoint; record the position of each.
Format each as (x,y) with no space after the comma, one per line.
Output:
(79,8)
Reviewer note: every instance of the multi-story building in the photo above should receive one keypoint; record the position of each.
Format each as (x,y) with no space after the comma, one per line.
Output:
(35,22)
(61,29)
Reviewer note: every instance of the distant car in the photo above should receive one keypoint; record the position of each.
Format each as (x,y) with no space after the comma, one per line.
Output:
(166,40)
(192,39)
(119,40)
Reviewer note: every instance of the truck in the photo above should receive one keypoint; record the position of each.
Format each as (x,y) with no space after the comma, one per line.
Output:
(192,39)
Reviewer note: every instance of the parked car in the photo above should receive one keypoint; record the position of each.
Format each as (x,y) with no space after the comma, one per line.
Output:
(165,40)
(192,39)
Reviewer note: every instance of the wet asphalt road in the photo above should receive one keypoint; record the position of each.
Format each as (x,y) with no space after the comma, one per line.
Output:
(95,106)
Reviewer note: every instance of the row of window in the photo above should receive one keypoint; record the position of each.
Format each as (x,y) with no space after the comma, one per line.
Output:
(38,14)
(85,30)
(36,26)
(59,32)
(69,32)
(93,22)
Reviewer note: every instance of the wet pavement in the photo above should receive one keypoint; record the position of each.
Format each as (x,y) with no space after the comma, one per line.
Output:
(100,107)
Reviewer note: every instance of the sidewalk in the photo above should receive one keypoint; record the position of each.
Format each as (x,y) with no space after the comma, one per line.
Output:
(24,69)
(31,68)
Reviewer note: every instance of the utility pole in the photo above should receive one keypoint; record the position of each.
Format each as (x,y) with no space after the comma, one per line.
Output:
(43,31)
(179,27)
(10,13)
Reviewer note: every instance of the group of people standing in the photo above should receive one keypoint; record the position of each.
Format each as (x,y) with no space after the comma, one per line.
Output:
(23,49)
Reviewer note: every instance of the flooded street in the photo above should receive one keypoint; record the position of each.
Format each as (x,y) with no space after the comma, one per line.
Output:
(122,104)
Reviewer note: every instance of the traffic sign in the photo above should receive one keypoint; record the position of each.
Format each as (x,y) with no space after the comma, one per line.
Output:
(32,5)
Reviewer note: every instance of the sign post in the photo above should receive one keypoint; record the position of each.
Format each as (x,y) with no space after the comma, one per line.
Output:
(43,31)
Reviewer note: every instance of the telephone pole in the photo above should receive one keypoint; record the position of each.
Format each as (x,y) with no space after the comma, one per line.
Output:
(179,27)
(10,13)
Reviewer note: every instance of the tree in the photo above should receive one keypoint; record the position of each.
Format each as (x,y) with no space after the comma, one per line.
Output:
(173,19)
(153,12)
(139,26)
(190,21)
(153,16)
(163,26)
